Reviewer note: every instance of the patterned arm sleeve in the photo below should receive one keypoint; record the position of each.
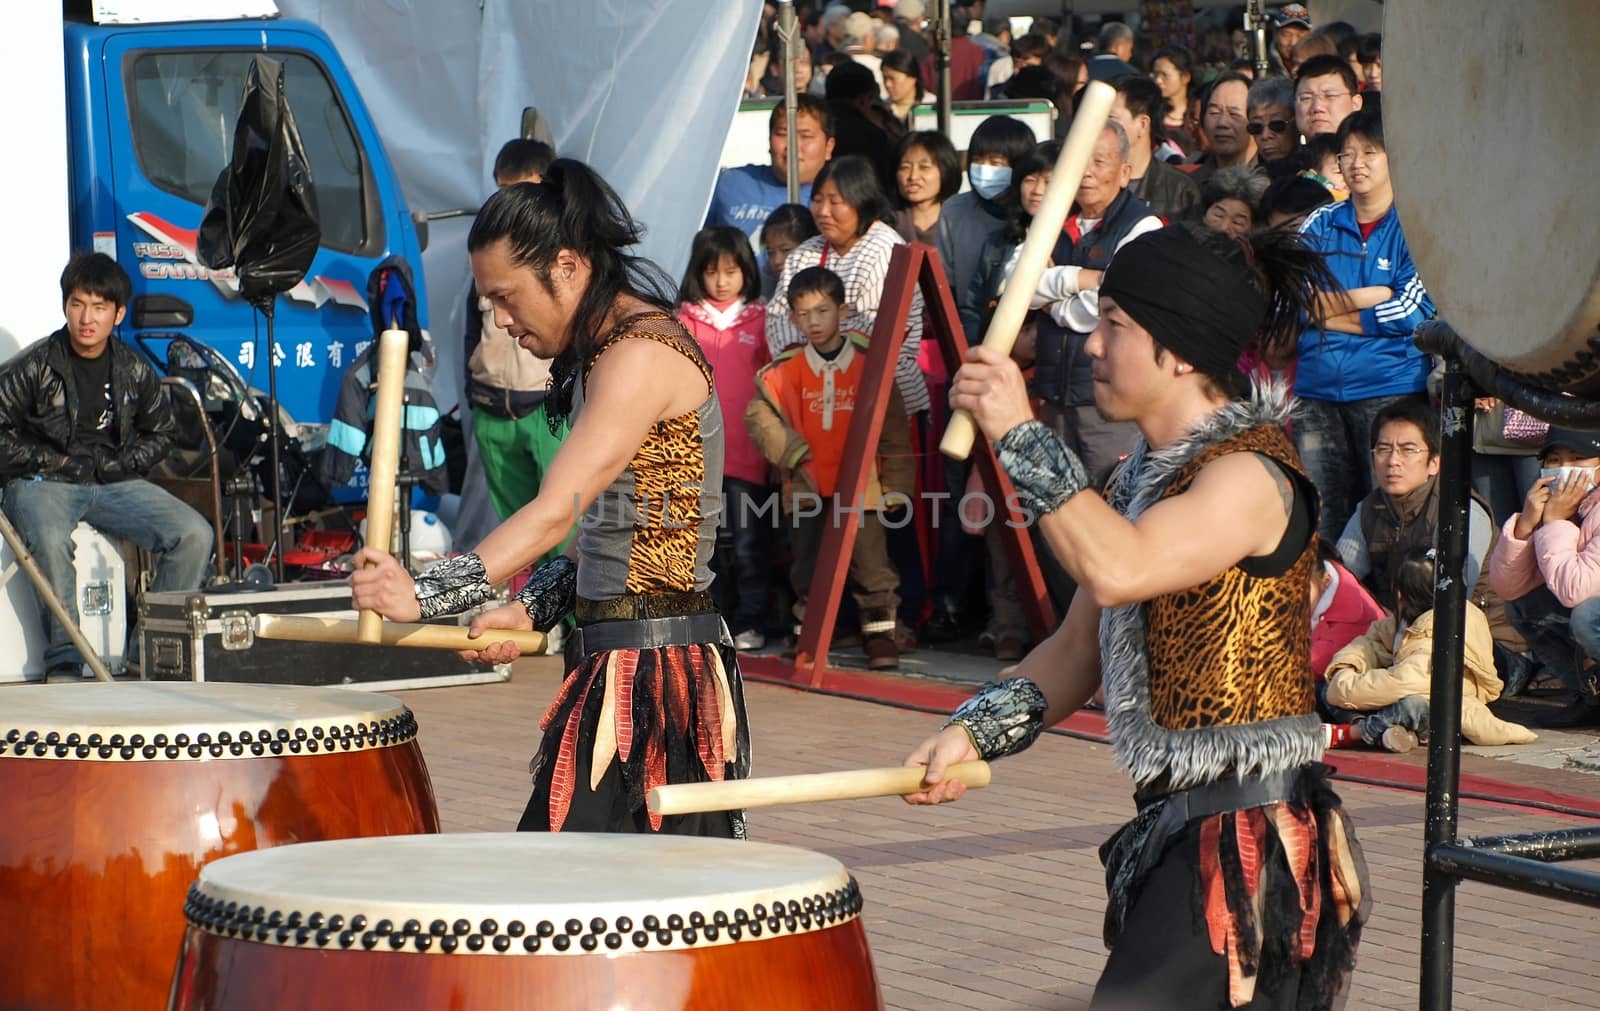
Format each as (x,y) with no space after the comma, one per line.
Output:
(1004,717)
(452,585)
(1044,470)
(550,592)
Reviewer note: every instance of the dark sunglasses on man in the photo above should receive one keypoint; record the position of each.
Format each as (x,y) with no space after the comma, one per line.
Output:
(1275,125)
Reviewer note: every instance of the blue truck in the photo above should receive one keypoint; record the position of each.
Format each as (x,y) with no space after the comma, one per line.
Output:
(151,109)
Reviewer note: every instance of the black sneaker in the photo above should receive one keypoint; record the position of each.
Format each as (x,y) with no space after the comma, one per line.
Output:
(940,627)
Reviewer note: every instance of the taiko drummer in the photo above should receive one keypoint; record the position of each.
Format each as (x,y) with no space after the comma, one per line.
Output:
(653,693)
(1202,644)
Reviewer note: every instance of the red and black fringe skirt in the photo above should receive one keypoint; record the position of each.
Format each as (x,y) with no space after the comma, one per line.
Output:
(1254,908)
(628,720)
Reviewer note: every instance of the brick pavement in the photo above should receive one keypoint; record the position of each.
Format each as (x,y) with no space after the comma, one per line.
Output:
(995,902)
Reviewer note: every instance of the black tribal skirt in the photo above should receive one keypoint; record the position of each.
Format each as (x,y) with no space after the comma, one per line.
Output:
(628,720)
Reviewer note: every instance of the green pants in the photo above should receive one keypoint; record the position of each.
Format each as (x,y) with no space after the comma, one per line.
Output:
(515,456)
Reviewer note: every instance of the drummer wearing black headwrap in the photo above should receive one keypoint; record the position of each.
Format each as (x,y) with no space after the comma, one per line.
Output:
(1192,613)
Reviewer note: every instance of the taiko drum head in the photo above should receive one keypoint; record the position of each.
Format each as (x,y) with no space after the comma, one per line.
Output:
(1492,149)
(529,920)
(114,796)
(147,721)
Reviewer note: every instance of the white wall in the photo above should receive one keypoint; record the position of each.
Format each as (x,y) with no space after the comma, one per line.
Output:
(33,178)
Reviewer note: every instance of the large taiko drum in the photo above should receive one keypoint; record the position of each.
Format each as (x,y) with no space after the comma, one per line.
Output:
(526,920)
(113,796)
(1492,150)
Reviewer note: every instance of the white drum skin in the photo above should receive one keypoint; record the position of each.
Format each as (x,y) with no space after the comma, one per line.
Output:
(1491,148)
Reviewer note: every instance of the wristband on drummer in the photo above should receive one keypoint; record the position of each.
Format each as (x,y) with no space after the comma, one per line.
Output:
(452,585)
(550,592)
(1003,718)
(1045,472)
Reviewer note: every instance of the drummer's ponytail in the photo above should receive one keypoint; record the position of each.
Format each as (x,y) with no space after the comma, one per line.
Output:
(1293,273)
(573,208)
(1286,273)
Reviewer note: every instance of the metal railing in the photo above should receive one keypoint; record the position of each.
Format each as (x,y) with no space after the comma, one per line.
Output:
(1523,862)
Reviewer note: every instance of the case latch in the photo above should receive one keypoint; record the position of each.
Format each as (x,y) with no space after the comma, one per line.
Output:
(238,630)
(96,599)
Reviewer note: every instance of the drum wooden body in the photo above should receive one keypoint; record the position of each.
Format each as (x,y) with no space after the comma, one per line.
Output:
(1491,149)
(526,920)
(113,796)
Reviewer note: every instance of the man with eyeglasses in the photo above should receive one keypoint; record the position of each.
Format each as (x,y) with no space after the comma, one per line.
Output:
(1325,94)
(1362,359)
(1272,124)
(1402,512)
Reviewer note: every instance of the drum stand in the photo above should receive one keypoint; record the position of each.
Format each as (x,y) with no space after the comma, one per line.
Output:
(47,593)
(274,426)
(1522,862)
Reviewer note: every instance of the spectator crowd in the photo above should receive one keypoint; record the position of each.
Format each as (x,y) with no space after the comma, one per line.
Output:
(1196,138)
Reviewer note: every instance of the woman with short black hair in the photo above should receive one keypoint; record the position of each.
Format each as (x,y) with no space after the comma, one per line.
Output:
(927,173)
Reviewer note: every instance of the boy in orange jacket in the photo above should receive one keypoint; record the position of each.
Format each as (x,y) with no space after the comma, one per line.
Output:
(798,419)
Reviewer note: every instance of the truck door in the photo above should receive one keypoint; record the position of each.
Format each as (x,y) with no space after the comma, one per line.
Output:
(173,98)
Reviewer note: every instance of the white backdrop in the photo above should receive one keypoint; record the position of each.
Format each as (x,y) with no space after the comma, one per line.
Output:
(643,90)
(33,182)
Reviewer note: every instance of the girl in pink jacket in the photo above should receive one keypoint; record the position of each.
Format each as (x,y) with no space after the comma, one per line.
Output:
(1546,566)
(720,305)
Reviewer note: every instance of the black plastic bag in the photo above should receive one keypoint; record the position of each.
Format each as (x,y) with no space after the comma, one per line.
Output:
(262,216)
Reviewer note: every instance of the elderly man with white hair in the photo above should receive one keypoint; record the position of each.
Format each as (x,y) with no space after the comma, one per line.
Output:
(1105,217)
(861,43)
(908,16)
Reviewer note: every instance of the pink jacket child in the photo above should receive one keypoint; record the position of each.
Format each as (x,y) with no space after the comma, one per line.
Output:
(1343,614)
(734,341)
(1562,556)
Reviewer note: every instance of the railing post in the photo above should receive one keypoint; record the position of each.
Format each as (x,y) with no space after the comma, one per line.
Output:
(1444,744)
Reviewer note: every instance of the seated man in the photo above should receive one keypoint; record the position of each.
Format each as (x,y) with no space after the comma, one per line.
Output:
(1547,566)
(1402,511)
(82,416)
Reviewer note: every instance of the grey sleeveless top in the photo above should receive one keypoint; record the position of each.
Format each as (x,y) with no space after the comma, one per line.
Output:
(652,530)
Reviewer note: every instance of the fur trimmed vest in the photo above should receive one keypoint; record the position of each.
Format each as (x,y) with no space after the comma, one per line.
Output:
(1195,691)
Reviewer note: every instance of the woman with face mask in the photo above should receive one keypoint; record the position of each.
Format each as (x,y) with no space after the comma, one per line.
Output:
(971,218)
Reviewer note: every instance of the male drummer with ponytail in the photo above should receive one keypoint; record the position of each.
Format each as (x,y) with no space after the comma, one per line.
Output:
(652,693)
(1202,643)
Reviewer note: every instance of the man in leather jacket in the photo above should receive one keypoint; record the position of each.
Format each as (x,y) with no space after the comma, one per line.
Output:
(82,418)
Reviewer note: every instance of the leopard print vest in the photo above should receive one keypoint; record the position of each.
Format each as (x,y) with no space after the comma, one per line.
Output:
(653,529)
(1215,680)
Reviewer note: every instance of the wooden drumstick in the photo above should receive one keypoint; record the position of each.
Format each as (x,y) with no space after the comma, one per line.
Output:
(1094,108)
(394,346)
(303,628)
(737,794)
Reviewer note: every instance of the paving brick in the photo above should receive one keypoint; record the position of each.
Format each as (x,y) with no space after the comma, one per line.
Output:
(996,902)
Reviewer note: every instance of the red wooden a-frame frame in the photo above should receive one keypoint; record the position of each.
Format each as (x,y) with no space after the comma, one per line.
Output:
(913,265)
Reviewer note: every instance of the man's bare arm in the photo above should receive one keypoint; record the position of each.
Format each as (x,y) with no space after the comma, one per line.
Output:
(1066,666)
(1232,511)
(634,385)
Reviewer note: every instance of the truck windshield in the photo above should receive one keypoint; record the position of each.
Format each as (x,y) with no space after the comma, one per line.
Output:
(184,107)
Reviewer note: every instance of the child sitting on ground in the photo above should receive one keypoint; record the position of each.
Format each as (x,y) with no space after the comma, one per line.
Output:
(1377,688)
(799,419)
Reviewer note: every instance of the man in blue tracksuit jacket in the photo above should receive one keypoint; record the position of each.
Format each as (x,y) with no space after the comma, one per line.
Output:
(1363,359)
